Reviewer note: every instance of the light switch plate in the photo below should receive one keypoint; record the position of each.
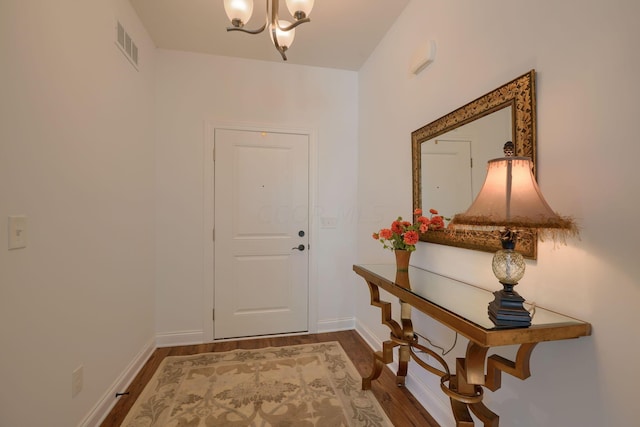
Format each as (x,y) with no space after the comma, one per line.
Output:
(17,232)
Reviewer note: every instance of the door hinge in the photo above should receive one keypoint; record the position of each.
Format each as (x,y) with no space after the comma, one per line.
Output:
(213,314)
(213,234)
(214,154)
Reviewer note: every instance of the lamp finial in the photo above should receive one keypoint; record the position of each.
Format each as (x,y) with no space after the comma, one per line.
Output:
(509,149)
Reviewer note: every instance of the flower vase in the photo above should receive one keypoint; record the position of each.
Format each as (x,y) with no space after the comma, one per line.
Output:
(402,267)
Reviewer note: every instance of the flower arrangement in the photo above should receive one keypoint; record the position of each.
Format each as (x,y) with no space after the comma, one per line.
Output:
(403,235)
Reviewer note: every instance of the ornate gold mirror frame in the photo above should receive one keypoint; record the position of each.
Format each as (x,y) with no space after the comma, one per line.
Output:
(520,95)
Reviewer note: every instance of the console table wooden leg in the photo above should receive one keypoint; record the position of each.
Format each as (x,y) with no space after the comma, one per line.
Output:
(380,359)
(465,387)
(486,415)
(461,414)
(404,353)
(384,357)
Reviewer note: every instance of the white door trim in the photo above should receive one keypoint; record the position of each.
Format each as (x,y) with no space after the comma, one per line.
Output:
(208,218)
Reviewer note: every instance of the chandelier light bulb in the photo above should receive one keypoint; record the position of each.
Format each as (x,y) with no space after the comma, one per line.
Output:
(300,9)
(285,38)
(238,11)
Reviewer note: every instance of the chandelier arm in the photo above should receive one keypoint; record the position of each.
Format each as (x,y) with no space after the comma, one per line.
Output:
(256,31)
(274,26)
(279,48)
(295,24)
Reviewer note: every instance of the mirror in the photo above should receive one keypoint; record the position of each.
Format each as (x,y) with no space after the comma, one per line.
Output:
(449,158)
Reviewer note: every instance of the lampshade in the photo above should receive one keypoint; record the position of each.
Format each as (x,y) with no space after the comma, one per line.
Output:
(511,201)
(511,198)
(285,38)
(238,11)
(300,8)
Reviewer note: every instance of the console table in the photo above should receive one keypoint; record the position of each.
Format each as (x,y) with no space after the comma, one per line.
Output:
(463,308)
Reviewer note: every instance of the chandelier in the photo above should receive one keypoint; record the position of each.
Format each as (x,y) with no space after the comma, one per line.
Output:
(282,32)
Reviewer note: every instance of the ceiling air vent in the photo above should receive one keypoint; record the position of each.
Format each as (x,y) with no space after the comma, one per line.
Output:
(126,45)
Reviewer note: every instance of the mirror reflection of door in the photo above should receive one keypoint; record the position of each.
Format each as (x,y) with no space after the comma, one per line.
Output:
(446,172)
(449,179)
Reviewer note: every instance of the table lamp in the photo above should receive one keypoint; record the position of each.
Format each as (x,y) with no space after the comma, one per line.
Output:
(510,201)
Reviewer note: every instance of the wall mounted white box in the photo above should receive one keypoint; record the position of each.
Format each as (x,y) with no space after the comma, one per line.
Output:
(17,232)
(422,57)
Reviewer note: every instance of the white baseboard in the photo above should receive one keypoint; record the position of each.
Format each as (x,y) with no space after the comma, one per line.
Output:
(433,401)
(197,337)
(374,342)
(108,400)
(333,325)
(179,338)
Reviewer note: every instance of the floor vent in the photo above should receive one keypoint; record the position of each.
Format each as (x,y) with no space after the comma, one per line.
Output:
(126,45)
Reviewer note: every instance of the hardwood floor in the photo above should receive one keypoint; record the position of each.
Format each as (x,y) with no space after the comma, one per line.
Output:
(399,404)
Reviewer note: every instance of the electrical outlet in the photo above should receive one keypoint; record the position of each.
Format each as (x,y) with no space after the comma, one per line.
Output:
(76,381)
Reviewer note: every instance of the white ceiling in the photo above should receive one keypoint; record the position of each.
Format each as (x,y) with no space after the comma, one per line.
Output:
(342,33)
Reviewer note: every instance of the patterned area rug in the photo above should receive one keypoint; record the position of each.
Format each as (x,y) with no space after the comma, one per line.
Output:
(302,386)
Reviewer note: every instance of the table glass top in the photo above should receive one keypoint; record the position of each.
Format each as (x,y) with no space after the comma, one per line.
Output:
(465,300)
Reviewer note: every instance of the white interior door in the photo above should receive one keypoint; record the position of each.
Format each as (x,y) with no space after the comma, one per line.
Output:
(261,230)
(446,176)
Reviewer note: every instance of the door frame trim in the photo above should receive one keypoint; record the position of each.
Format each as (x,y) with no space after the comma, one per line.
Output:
(208,222)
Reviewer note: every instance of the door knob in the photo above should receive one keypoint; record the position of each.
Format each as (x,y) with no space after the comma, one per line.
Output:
(300,247)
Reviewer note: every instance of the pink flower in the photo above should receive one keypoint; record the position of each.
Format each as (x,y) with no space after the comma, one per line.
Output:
(396,227)
(433,212)
(418,211)
(376,236)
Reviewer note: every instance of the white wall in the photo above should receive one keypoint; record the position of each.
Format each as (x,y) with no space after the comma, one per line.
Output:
(586,58)
(77,158)
(194,89)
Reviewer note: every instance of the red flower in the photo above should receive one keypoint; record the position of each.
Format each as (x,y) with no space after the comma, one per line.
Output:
(411,237)
(403,235)
(437,223)
(385,233)
(423,220)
